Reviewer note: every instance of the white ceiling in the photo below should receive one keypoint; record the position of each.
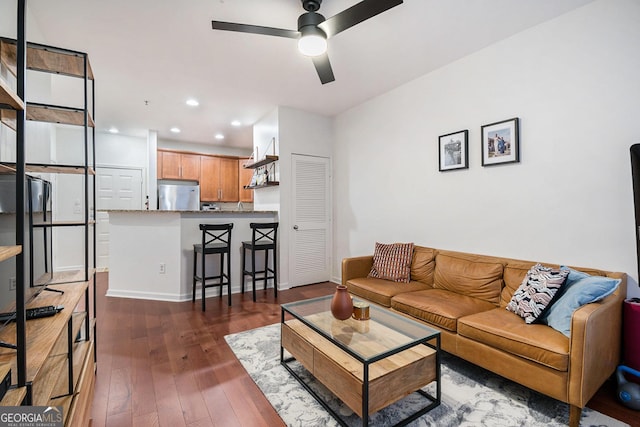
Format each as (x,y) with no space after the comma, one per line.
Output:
(164,51)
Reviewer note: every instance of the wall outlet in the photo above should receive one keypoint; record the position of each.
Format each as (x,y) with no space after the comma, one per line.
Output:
(12,284)
(163,268)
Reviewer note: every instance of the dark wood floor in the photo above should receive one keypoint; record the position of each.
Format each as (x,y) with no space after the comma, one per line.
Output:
(167,364)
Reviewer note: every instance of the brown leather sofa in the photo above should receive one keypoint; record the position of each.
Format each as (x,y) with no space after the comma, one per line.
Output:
(464,296)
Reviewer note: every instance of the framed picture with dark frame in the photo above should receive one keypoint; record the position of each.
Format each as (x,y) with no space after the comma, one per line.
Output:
(453,151)
(500,143)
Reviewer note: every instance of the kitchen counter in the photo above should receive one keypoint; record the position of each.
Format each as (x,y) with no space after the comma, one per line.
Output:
(218,211)
(151,252)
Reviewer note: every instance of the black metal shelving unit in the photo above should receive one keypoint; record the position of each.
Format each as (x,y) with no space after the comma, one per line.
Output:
(79,286)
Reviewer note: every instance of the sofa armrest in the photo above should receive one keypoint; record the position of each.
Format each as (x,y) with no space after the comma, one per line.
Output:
(355,267)
(595,345)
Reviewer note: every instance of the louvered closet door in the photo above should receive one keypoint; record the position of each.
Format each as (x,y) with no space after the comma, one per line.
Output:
(311,235)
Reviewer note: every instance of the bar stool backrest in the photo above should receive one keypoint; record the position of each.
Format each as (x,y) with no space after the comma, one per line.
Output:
(216,235)
(264,233)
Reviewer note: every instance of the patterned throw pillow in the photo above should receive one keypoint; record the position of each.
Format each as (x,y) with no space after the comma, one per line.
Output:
(392,262)
(580,289)
(538,291)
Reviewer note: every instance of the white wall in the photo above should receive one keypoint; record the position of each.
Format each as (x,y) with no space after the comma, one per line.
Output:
(120,150)
(295,132)
(572,82)
(265,131)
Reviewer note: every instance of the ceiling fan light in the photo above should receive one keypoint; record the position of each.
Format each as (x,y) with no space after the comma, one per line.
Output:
(313,41)
(312,45)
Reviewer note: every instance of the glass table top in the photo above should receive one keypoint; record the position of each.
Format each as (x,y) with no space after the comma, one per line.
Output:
(384,333)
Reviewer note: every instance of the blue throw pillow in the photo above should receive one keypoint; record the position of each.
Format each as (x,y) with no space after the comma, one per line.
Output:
(580,289)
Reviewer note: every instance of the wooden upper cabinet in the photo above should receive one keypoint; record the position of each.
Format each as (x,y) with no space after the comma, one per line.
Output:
(159,164)
(175,165)
(190,164)
(229,180)
(210,178)
(219,179)
(244,176)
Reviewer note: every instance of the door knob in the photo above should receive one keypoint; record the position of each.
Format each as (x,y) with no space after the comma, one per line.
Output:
(295,227)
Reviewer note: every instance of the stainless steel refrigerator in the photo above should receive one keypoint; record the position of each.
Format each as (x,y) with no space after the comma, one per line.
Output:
(178,196)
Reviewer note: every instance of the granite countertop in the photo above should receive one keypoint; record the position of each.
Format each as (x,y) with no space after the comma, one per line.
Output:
(218,211)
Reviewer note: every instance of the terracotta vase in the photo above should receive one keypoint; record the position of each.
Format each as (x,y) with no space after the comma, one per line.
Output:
(341,304)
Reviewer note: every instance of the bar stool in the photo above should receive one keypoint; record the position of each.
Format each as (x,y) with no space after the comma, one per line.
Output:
(216,239)
(263,238)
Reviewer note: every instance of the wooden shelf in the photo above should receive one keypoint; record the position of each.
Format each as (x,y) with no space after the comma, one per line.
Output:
(14,397)
(7,252)
(44,384)
(79,354)
(62,277)
(78,318)
(268,184)
(48,168)
(78,406)
(7,170)
(8,118)
(42,334)
(46,58)
(9,97)
(65,402)
(62,169)
(263,162)
(57,114)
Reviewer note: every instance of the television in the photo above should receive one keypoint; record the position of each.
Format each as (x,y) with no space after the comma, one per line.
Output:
(37,241)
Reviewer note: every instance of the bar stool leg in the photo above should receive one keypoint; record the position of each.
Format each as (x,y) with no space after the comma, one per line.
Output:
(228,279)
(242,269)
(202,278)
(275,274)
(253,273)
(266,268)
(193,287)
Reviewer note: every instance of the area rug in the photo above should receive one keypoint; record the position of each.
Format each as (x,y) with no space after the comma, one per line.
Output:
(471,396)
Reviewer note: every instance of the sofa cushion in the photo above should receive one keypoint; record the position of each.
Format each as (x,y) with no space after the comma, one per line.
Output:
(580,289)
(438,306)
(423,264)
(508,332)
(516,270)
(539,289)
(381,291)
(392,261)
(470,277)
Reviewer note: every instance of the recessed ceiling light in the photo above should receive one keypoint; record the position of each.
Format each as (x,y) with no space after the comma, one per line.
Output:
(113,130)
(236,123)
(219,136)
(175,130)
(192,102)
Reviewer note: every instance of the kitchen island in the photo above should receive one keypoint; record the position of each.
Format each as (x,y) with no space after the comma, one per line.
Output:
(151,252)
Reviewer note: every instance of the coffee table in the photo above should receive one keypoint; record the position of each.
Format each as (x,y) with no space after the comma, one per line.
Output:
(367,364)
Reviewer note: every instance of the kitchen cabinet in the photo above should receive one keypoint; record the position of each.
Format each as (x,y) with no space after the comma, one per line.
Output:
(175,165)
(245,176)
(219,179)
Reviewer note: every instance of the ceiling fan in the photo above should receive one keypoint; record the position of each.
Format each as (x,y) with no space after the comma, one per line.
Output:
(314,29)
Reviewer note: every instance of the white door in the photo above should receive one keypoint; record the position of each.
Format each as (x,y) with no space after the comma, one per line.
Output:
(117,188)
(310,243)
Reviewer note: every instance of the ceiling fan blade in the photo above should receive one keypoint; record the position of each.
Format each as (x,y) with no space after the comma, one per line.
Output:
(255,29)
(356,14)
(323,67)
